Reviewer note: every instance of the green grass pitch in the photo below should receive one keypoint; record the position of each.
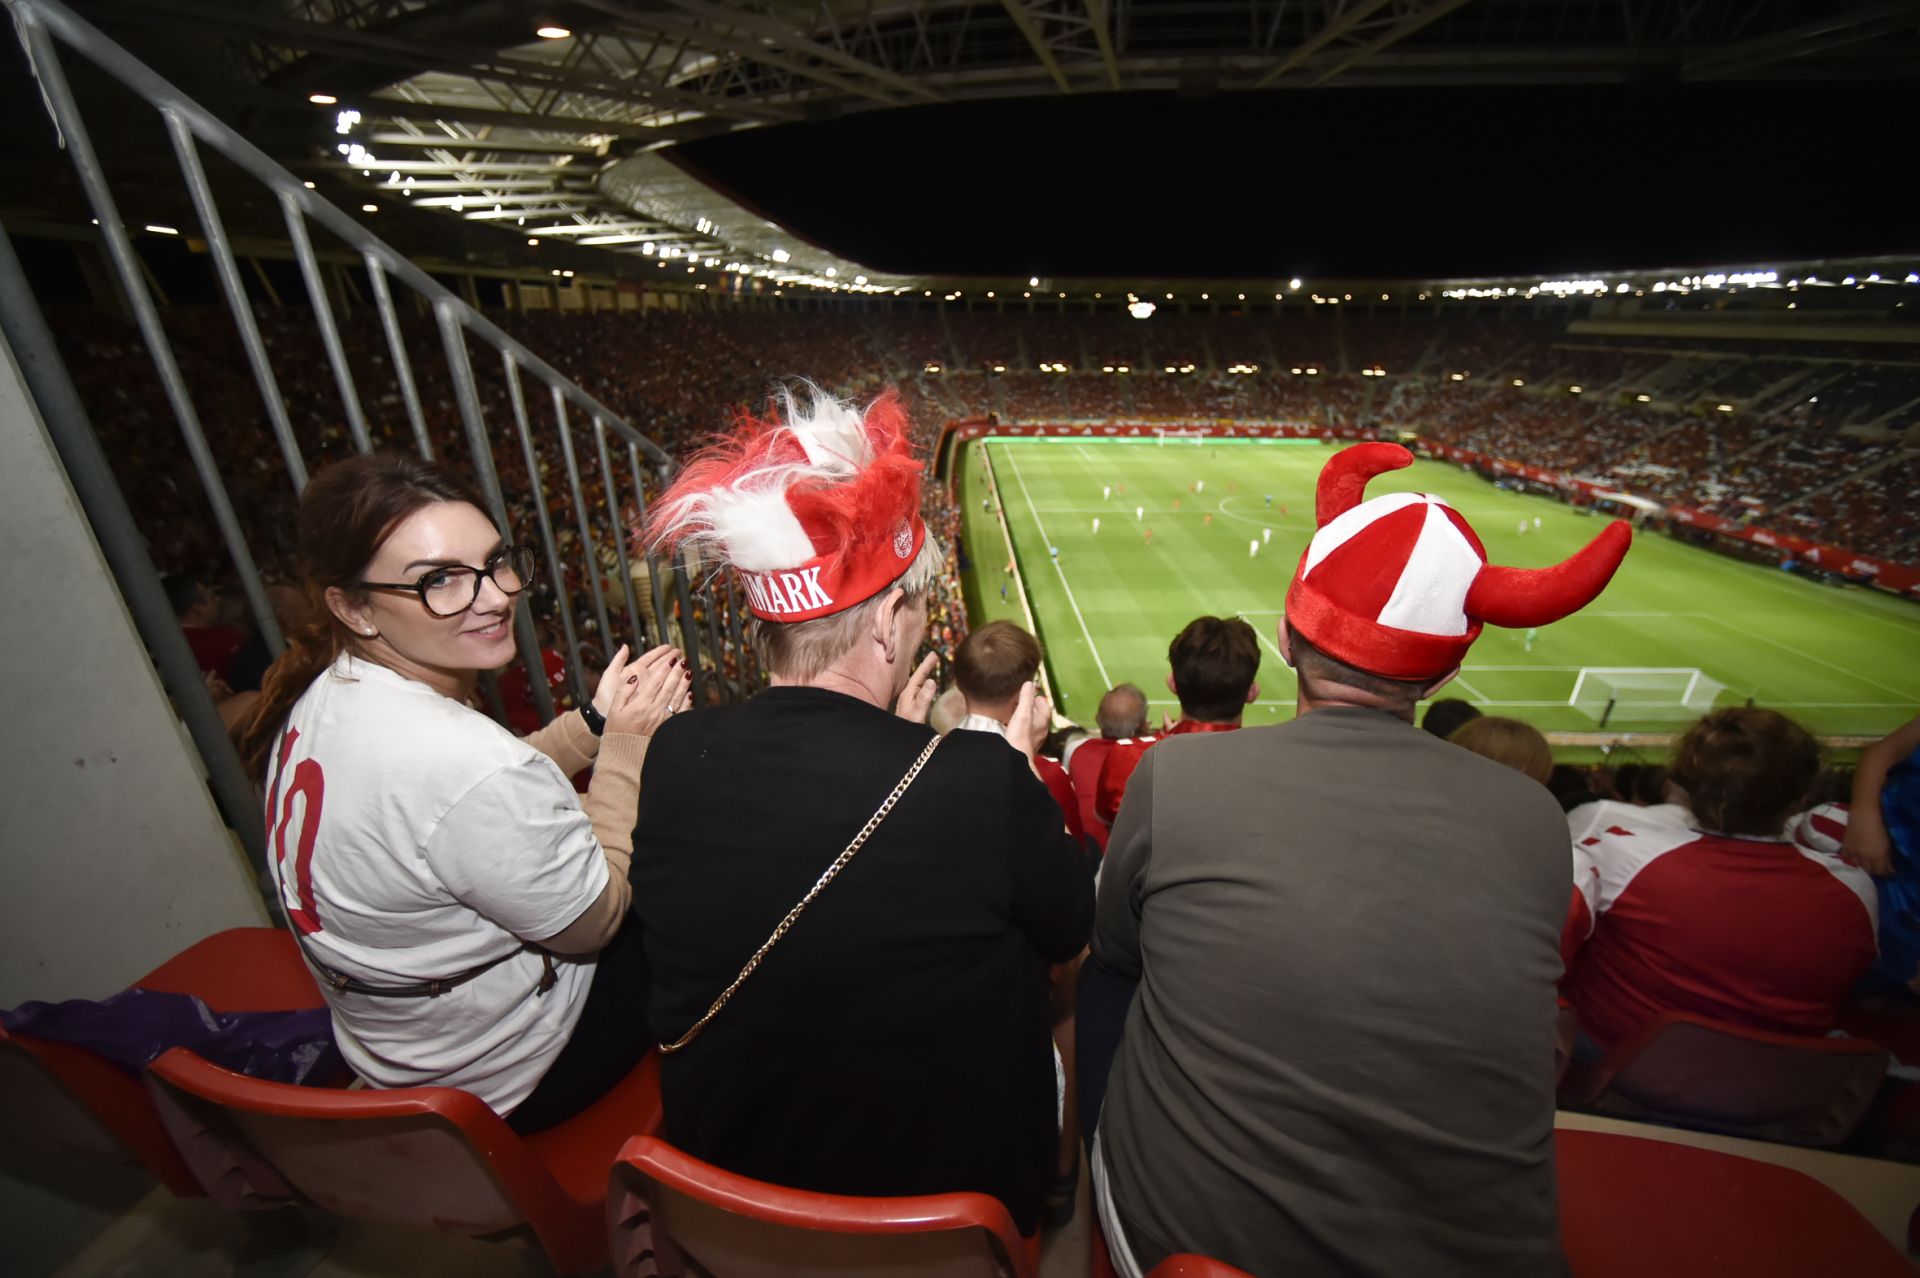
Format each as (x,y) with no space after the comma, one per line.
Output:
(1841,660)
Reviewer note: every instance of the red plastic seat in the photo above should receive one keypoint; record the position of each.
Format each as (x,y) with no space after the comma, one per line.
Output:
(1195,1267)
(55,1095)
(1180,1266)
(1694,1072)
(1637,1208)
(436,1157)
(693,1217)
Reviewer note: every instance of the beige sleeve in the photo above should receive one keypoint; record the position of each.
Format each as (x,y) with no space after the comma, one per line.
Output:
(612,805)
(567,742)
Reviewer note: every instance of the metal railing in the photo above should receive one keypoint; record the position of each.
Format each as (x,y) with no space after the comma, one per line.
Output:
(619,463)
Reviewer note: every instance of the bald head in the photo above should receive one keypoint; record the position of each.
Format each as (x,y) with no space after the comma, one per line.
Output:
(1122,713)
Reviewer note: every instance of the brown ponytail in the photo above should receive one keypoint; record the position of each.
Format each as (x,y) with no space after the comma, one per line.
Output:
(346,513)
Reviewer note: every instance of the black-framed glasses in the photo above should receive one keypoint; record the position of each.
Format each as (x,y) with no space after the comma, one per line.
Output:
(450,591)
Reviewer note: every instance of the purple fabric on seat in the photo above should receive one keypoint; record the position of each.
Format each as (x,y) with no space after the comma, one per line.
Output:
(135,1026)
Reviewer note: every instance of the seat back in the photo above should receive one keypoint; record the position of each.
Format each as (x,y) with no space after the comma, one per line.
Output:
(1695,1072)
(54,1096)
(433,1156)
(697,1218)
(64,1097)
(1659,1209)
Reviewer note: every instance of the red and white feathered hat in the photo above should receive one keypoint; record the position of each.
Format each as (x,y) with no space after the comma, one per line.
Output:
(1399,586)
(816,506)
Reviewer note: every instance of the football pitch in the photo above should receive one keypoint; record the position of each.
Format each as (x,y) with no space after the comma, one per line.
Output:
(1844,661)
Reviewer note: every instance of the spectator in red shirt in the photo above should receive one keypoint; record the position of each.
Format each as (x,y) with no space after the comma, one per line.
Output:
(1214,662)
(1121,717)
(197,605)
(991,665)
(1715,911)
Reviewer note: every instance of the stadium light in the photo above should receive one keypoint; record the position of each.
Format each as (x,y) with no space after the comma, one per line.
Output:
(1456,377)
(1033,281)
(1725,408)
(552,32)
(322,99)
(162,230)
(989,294)
(781,255)
(1644,399)
(1294,282)
(1297,372)
(369,208)
(931,368)
(832,271)
(308,185)
(1141,310)
(1519,381)
(1574,390)
(1313,372)
(999,368)
(1027,293)
(532,241)
(1106,368)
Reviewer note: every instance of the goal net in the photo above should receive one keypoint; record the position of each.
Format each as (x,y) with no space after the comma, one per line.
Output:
(1623,695)
(1168,435)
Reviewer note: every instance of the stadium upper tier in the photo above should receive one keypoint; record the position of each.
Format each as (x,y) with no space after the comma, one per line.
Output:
(1816,439)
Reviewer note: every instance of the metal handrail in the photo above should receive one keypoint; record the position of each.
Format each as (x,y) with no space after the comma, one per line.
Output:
(44,28)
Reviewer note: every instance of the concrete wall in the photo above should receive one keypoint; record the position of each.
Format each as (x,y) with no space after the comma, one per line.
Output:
(112,856)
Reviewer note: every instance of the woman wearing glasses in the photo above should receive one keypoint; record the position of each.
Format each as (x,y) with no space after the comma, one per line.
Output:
(461,908)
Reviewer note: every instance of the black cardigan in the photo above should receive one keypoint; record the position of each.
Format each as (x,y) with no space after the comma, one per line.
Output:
(896,1041)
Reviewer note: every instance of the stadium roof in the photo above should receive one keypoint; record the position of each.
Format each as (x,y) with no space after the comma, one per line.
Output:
(564,122)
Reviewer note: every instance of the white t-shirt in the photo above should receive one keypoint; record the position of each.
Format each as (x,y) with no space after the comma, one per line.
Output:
(412,838)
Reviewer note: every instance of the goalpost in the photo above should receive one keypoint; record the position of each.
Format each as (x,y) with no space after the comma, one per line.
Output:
(1178,434)
(1643,694)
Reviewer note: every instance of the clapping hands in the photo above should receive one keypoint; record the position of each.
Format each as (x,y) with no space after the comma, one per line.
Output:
(640,694)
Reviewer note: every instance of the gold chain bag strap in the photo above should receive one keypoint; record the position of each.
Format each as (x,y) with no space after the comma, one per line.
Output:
(839,864)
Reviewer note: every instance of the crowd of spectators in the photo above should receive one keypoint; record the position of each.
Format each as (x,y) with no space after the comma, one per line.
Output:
(1496,386)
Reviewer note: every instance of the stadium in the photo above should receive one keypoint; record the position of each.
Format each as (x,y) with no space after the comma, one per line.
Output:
(1140,278)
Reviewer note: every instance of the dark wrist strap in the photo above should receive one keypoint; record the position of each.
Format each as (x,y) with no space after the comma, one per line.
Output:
(595,721)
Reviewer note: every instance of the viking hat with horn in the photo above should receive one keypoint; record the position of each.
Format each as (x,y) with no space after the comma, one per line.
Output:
(1400,585)
(816,506)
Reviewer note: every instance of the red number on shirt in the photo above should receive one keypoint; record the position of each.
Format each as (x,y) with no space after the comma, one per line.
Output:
(309,785)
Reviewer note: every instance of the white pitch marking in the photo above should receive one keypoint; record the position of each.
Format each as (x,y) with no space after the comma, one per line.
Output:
(1014,461)
(1804,655)
(1478,695)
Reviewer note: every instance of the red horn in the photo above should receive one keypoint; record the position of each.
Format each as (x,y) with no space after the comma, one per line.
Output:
(1519,597)
(1343,480)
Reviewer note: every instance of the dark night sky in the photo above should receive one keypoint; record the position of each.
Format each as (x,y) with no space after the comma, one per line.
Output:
(1361,182)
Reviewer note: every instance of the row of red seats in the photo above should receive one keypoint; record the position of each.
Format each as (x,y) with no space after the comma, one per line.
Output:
(603,1186)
